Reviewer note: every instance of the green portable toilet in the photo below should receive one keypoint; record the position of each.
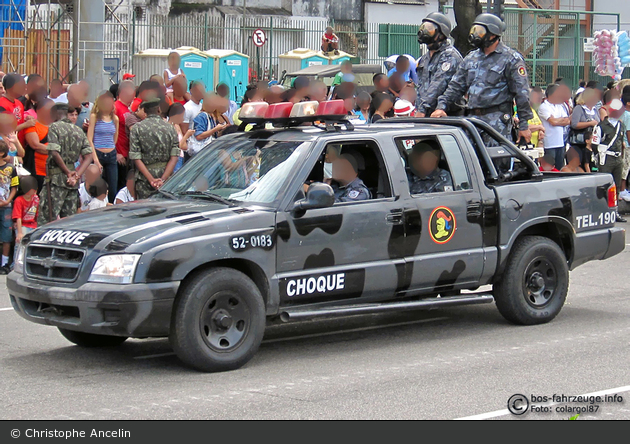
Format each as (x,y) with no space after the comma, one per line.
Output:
(300,58)
(339,58)
(232,68)
(197,65)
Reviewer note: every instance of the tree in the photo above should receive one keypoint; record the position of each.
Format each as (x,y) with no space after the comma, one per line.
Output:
(465,13)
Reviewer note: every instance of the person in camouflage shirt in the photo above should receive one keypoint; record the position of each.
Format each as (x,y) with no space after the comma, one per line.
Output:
(437,66)
(154,148)
(494,76)
(66,143)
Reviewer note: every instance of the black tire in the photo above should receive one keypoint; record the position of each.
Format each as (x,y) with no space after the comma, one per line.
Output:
(218,320)
(535,282)
(91,340)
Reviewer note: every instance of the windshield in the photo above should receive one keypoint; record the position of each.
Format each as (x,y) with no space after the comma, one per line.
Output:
(238,170)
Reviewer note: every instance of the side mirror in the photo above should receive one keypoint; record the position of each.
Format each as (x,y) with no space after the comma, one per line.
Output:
(318,195)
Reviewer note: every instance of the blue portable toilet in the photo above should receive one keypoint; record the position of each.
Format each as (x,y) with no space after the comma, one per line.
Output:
(300,58)
(232,68)
(197,65)
(339,58)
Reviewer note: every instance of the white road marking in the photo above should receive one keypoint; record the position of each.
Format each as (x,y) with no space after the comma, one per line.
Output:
(7,309)
(505,412)
(317,335)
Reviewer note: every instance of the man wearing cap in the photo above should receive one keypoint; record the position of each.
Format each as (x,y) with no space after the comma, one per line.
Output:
(426,176)
(128,76)
(154,148)
(437,67)
(66,143)
(493,76)
(347,185)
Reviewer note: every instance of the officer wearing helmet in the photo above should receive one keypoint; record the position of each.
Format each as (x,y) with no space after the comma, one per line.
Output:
(494,77)
(437,67)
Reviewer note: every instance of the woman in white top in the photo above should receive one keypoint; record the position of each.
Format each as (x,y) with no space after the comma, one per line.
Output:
(173,71)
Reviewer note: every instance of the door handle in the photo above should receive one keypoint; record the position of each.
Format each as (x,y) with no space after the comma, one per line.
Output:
(394,217)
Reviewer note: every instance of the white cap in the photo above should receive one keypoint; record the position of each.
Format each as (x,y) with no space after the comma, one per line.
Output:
(403,107)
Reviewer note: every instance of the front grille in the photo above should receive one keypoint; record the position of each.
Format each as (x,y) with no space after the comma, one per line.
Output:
(53,263)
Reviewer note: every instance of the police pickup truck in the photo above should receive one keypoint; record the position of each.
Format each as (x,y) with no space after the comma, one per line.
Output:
(248,232)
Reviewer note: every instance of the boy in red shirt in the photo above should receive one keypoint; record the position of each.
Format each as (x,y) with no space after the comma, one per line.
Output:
(547,163)
(26,208)
(14,88)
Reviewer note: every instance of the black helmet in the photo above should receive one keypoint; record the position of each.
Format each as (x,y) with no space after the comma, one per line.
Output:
(441,21)
(493,24)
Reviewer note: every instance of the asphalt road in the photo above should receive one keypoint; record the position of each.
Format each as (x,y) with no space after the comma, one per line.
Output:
(442,364)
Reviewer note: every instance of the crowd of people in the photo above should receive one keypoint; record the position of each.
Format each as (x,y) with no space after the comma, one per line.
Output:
(61,153)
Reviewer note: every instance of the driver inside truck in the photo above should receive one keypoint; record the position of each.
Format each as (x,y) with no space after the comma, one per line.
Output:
(425,175)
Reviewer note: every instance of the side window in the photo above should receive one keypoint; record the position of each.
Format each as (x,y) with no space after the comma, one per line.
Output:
(370,169)
(442,171)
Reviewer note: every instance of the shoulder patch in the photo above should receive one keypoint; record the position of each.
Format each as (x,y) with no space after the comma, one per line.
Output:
(353,194)
(446,66)
(522,71)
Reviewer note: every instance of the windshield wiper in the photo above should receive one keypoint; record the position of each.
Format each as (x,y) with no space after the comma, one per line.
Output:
(208,195)
(167,194)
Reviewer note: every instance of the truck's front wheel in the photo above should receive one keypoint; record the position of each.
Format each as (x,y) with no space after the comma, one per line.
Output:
(535,282)
(91,340)
(218,320)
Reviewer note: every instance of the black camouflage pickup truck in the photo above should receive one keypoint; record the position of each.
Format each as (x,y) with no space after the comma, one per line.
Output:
(249,233)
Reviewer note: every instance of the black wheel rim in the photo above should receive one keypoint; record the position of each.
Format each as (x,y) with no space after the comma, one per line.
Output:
(540,283)
(224,321)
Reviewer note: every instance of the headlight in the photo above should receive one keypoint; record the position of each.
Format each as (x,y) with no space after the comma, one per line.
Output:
(115,268)
(18,267)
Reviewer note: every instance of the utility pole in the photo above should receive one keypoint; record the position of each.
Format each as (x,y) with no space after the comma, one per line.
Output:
(244,35)
(91,32)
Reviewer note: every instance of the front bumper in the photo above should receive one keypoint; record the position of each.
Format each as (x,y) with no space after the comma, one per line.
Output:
(598,245)
(133,310)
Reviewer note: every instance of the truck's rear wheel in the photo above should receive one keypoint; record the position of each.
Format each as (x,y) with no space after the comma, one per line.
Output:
(218,320)
(91,340)
(535,282)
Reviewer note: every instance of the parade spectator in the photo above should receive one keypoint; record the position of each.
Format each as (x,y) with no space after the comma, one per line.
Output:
(192,108)
(318,91)
(403,108)
(127,193)
(125,94)
(2,74)
(8,189)
(583,118)
(36,138)
(173,71)
(154,148)
(535,124)
(409,94)
(26,208)
(8,133)
(175,116)
(301,85)
(625,119)
(92,173)
(345,74)
(146,90)
(396,84)
(102,135)
(573,162)
(274,94)
(223,90)
(132,118)
(14,88)
(98,193)
(608,96)
(330,41)
(77,98)
(548,163)
(252,95)
(66,144)
(180,94)
(364,100)
(56,93)
(206,127)
(35,86)
(382,104)
(554,114)
(402,67)
(381,83)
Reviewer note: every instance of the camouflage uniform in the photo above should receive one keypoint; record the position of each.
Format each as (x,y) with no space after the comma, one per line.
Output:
(434,75)
(70,142)
(492,83)
(439,180)
(154,142)
(353,192)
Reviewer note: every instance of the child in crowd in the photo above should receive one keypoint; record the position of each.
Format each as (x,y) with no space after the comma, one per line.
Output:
(8,188)
(548,163)
(173,71)
(91,175)
(98,192)
(128,193)
(573,162)
(26,208)
(345,74)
